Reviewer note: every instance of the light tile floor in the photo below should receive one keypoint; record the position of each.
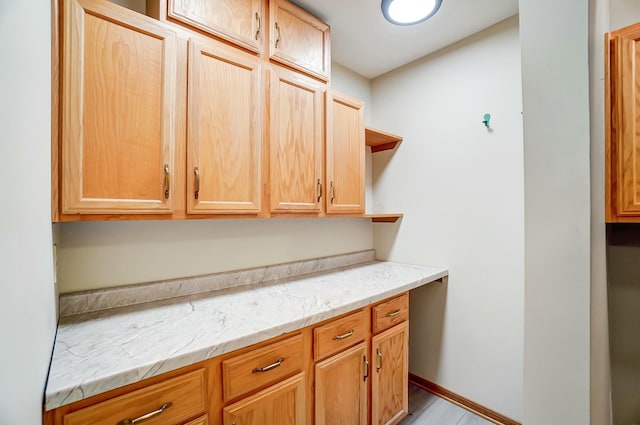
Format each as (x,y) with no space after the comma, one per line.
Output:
(428,409)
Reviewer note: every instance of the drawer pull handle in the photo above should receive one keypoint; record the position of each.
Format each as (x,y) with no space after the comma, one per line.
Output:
(343,336)
(393,313)
(147,416)
(268,368)
(379,360)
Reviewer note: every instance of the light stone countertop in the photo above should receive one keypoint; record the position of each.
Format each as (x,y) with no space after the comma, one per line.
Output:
(104,350)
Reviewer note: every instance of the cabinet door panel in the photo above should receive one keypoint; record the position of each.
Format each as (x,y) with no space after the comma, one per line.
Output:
(118,107)
(299,39)
(238,21)
(627,127)
(341,389)
(282,404)
(297,108)
(345,154)
(390,375)
(225,130)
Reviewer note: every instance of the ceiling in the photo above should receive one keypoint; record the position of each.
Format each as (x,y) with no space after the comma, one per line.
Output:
(363,41)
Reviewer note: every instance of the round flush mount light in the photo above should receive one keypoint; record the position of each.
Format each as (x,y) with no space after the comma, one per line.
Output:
(409,12)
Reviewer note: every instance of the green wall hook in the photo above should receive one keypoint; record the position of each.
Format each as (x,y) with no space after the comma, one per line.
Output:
(486,119)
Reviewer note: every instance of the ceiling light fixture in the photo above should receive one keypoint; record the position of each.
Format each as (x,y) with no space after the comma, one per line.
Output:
(409,12)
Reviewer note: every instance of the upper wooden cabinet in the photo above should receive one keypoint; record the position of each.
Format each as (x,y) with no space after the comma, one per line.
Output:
(224,142)
(299,39)
(345,167)
(238,21)
(296,115)
(118,107)
(622,125)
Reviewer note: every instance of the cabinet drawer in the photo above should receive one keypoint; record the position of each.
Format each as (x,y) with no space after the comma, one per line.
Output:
(186,394)
(261,367)
(390,313)
(339,334)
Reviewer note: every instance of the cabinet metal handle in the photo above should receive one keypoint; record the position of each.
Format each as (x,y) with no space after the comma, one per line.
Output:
(379,354)
(278,35)
(366,368)
(269,367)
(333,191)
(393,313)
(167,181)
(196,171)
(146,416)
(319,190)
(343,336)
(259,23)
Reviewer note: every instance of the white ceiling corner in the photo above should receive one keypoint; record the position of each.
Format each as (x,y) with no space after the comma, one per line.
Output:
(363,41)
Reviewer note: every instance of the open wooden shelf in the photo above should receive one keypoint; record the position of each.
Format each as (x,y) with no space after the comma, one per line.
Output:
(384,218)
(380,140)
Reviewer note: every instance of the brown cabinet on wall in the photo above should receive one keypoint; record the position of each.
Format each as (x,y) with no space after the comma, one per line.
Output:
(622,125)
(186,116)
(225,131)
(296,142)
(118,112)
(299,39)
(345,167)
(239,21)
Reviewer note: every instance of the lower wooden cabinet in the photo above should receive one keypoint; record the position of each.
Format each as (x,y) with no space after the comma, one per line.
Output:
(171,402)
(202,420)
(350,370)
(390,375)
(281,404)
(341,388)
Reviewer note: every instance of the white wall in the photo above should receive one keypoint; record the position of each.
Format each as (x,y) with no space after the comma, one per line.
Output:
(555,81)
(461,189)
(27,313)
(105,254)
(600,359)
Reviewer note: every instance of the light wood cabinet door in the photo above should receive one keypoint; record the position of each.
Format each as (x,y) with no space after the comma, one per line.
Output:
(281,404)
(299,39)
(296,142)
(202,420)
(345,154)
(341,388)
(238,21)
(390,375)
(623,125)
(118,111)
(224,140)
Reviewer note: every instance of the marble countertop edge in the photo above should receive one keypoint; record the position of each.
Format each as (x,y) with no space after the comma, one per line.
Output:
(60,392)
